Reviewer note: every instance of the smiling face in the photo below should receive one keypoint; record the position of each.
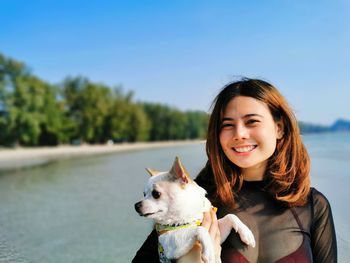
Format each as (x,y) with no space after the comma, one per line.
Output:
(248,135)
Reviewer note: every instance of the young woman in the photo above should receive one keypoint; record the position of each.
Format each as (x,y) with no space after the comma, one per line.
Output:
(258,169)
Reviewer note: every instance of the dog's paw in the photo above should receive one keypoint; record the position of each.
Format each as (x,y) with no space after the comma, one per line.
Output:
(246,235)
(208,257)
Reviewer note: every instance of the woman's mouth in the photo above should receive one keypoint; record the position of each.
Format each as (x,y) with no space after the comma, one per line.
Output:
(244,149)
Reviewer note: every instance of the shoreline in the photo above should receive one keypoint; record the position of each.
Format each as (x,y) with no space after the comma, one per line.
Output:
(22,157)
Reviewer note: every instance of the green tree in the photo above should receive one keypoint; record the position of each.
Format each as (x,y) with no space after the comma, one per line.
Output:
(175,122)
(33,112)
(26,108)
(52,125)
(10,71)
(157,115)
(25,100)
(166,123)
(87,107)
(127,120)
(197,123)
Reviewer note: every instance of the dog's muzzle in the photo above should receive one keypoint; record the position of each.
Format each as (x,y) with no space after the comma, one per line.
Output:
(138,207)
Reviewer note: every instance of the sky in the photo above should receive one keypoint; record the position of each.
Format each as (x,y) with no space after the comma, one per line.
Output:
(181,53)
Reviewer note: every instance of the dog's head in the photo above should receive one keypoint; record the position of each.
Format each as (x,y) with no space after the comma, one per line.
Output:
(172,197)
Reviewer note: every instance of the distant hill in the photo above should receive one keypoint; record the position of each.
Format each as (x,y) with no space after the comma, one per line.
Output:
(341,125)
(338,125)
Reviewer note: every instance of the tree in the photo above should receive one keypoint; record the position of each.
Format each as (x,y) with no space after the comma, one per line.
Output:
(197,123)
(127,120)
(171,124)
(52,126)
(157,115)
(24,103)
(87,107)
(10,71)
(34,112)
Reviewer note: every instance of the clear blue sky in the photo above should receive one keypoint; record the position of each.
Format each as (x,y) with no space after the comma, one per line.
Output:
(182,52)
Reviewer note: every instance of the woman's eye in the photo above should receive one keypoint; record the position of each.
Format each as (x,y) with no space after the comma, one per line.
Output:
(226,125)
(155,194)
(252,121)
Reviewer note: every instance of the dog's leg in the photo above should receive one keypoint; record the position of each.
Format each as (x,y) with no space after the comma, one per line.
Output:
(208,253)
(231,221)
(179,242)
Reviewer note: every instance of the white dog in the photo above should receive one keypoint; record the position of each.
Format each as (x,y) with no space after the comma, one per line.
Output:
(176,203)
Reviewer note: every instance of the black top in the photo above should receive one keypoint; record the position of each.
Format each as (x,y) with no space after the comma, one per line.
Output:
(282,234)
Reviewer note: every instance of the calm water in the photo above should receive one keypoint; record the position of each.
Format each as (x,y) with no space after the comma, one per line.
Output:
(81,210)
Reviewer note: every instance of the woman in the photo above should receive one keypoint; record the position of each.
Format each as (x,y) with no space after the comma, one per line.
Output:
(258,168)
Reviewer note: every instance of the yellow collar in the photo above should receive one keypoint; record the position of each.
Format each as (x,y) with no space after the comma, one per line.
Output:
(162,229)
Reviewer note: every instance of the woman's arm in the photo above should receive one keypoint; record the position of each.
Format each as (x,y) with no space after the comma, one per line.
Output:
(149,250)
(323,239)
(193,256)
(210,222)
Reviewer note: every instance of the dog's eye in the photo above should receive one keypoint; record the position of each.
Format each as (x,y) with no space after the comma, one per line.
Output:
(144,194)
(155,194)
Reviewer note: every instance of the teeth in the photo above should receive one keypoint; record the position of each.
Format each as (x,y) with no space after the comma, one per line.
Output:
(244,149)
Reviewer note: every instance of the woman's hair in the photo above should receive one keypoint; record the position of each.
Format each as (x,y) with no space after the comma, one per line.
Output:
(287,172)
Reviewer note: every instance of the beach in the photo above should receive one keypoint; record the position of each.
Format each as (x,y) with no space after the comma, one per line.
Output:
(21,157)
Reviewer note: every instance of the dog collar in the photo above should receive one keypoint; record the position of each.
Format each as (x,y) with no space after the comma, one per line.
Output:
(162,229)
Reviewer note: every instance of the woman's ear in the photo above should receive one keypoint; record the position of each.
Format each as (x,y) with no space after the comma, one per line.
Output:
(280,129)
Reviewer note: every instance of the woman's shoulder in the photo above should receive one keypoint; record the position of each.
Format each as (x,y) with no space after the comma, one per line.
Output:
(205,178)
(319,203)
(318,198)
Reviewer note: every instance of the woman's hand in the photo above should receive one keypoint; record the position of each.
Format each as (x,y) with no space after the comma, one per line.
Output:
(210,222)
(193,256)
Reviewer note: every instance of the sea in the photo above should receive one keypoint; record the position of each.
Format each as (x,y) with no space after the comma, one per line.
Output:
(81,210)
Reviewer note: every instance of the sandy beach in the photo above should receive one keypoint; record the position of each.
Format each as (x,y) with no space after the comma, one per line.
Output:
(24,157)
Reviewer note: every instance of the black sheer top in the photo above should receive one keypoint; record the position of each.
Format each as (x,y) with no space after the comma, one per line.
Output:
(282,234)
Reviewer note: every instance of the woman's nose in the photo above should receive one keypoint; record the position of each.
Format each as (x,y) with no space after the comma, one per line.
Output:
(241,132)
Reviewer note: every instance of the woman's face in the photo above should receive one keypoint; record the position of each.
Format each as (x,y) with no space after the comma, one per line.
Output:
(249,135)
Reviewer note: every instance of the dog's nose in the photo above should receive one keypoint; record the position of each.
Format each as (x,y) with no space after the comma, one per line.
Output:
(138,206)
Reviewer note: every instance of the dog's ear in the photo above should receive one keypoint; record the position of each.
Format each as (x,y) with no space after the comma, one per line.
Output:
(152,172)
(179,171)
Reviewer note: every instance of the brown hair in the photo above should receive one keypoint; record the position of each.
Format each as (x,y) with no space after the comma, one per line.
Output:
(288,168)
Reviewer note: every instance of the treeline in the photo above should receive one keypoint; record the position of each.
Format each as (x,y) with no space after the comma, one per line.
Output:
(340,125)
(34,112)
(312,128)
